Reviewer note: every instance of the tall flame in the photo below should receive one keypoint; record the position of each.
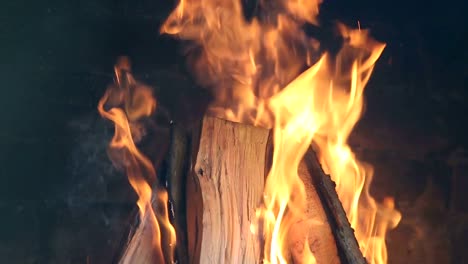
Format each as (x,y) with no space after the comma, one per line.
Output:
(125,104)
(256,71)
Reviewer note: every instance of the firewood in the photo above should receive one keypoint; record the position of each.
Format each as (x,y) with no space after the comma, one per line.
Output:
(224,186)
(140,247)
(346,242)
(315,228)
(137,246)
(178,162)
(224,189)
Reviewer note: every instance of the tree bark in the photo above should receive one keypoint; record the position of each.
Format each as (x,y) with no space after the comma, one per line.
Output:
(179,161)
(346,242)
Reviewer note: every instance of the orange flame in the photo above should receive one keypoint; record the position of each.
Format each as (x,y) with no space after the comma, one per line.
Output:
(255,69)
(128,102)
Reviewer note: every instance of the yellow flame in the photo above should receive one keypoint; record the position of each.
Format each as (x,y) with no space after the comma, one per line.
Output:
(128,102)
(255,69)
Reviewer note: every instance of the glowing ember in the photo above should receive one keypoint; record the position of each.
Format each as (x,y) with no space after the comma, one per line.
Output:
(256,70)
(125,104)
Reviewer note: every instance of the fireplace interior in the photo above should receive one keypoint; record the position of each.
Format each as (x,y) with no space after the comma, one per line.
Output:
(63,200)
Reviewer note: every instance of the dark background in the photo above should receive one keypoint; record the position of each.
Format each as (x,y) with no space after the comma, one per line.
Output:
(56,59)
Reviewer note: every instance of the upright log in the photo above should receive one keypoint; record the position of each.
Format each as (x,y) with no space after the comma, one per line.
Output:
(178,162)
(224,190)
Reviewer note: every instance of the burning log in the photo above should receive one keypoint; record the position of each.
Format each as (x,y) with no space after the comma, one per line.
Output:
(224,187)
(314,231)
(342,231)
(138,246)
(234,214)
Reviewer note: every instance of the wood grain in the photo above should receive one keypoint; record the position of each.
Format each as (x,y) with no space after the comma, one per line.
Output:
(228,178)
(140,248)
(315,228)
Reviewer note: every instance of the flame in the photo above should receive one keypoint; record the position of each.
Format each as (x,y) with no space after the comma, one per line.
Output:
(343,109)
(255,69)
(128,102)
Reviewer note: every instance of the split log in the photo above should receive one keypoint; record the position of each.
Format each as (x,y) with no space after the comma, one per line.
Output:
(140,247)
(315,228)
(224,190)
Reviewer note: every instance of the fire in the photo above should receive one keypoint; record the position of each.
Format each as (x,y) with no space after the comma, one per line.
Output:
(255,69)
(125,104)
